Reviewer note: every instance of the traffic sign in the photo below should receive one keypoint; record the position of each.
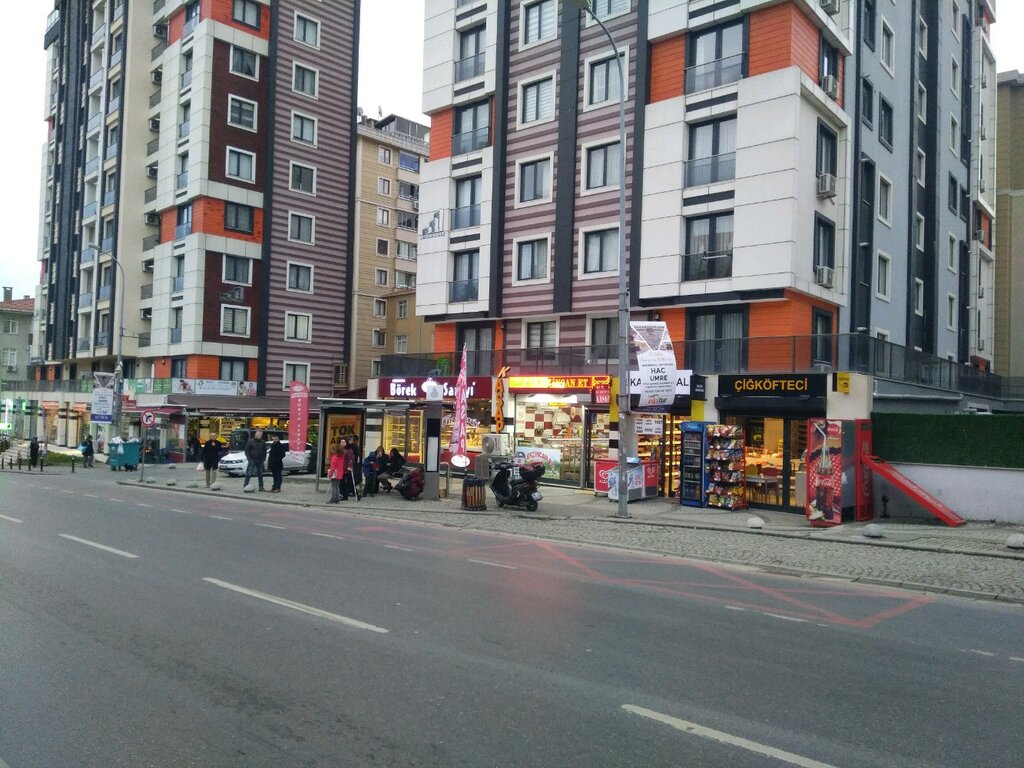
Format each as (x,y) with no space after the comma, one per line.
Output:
(148,418)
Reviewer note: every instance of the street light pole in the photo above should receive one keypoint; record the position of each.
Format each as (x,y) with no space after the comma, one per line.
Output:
(115,417)
(626,436)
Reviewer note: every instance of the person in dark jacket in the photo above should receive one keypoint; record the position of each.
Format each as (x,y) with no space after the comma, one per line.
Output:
(411,486)
(358,468)
(395,463)
(210,456)
(370,469)
(275,462)
(87,452)
(256,455)
(33,453)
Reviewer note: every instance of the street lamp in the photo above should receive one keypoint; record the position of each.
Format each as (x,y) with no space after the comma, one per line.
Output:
(626,437)
(115,416)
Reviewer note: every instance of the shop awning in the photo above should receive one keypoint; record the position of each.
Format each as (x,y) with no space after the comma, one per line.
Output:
(161,410)
(214,405)
(777,407)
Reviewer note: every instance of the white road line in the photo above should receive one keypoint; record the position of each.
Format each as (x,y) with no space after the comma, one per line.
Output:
(221,517)
(268,525)
(1016,658)
(117,500)
(733,608)
(140,504)
(105,548)
(786,618)
(297,606)
(90,495)
(726,738)
(181,511)
(11,519)
(402,549)
(980,653)
(493,565)
(327,535)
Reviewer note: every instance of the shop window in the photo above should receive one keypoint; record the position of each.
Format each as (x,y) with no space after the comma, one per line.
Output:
(550,431)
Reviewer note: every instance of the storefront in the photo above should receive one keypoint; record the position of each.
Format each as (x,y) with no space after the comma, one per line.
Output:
(391,423)
(659,436)
(773,411)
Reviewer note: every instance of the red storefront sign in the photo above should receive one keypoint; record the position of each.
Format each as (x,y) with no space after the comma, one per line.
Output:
(602,394)
(411,387)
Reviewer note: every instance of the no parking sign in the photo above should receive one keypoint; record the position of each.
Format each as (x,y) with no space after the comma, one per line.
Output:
(148,418)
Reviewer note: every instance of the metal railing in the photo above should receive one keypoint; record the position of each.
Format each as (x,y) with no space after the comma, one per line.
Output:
(466,216)
(722,71)
(471,141)
(710,170)
(471,66)
(706,265)
(175,335)
(177,284)
(463,290)
(181,231)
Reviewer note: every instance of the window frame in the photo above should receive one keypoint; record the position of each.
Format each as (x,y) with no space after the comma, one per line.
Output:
(383,186)
(585,152)
(224,270)
(918,296)
(376,307)
(887,48)
(296,66)
(287,380)
(227,164)
(517,244)
(823,223)
(951,311)
(248,320)
(288,277)
(247,5)
(379,338)
(402,309)
(247,102)
(535,80)
(920,233)
(525,43)
(884,216)
(302,116)
(885,126)
(582,273)
(589,64)
(256,63)
(883,295)
(387,247)
(378,281)
(521,164)
(953,253)
(312,227)
(309,20)
(292,165)
(289,315)
(239,207)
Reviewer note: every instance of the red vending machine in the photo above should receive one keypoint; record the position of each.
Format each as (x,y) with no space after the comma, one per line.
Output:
(838,477)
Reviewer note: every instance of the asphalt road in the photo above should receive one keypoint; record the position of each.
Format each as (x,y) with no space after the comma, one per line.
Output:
(215,632)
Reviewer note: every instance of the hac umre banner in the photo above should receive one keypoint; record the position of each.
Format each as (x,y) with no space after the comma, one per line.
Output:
(656,363)
(298,415)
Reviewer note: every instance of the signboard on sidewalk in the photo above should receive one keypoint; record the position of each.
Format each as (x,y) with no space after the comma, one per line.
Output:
(102,405)
(298,415)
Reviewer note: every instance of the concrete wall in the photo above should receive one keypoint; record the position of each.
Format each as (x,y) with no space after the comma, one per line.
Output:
(974,493)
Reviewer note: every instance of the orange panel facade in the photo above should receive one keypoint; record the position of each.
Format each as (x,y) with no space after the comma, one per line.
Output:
(785,319)
(202,367)
(208,217)
(675,320)
(222,11)
(783,36)
(444,337)
(441,134)
(162,368)
(668,65)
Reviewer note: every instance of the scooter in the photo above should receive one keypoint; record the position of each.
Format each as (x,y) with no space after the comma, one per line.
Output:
(522,492)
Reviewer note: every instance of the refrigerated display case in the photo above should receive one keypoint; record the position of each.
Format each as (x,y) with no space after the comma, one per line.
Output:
(691,464)
(712,466)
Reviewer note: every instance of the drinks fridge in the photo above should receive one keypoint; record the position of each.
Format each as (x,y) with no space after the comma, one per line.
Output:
(712,467)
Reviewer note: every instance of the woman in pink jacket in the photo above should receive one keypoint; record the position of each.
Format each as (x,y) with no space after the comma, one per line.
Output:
(336,472)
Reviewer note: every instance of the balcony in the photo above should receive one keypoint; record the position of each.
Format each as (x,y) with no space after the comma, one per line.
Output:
(84,300)
(157,50)
(152,146)
(144,339)
(181,180)
(94,122)
(465,217)
(463,290)
(181,231)
(146,291)
(82,345)
(177,284)
(104,292)
(107,245)
(111,151)
(99,35)
(118,11)
(190,26)
(113,105)
(469,67)
(149,195)
(184,129)
(97,79)
(92,166)
(175,335)
(150,242)
(103,338)
(714,73)
(90,210)
(89,254)
(706,265)
(471,141)
(115,57)
(157,5)
(154,98)
(711,170)
(110,197)
(186,79)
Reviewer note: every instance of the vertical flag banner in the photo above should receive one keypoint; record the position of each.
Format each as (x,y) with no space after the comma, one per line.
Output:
(458,442)
(298,415)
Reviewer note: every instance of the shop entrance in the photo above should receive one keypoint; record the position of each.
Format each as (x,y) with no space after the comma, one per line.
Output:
(598,435)
(776,461)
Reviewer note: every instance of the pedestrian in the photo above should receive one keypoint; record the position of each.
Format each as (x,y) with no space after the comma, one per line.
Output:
(33,453)
(358,464)
(348,479)
(210,454)
(335,472)
(275,462)
(395,463)
(256,454)
(370,469)
(194,447)
(87,452)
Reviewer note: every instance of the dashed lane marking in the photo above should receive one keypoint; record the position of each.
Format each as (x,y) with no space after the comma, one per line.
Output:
(221,517)
(182,511)
(1016,658)
(401,549)
(268,525)
(726,738)
(104,547)
(90,495)
(733,608)
(297,606)
(980,653)
(327,535)
(140,504)
(493,565)
(11,519)
(786,618)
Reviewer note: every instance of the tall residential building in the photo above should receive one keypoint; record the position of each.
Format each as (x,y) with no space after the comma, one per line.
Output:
(197,190)
(389,154)
(1009,302)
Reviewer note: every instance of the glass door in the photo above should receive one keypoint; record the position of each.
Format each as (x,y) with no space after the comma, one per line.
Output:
(598,426)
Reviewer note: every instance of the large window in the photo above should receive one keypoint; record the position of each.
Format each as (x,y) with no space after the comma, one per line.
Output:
(472,127)
(303,128)
(464,276)
(303,178)
(715,341)
(603,166)
(297,327)
(237,269)
(532,260)
(300,228)
(535,180)
(468,193)
(712,152)
(238,217)
(538,21)
(471,54)
(246,12)
(300,278)
(232,369)
(242,113)
(604,338)
(603,81)
(304,80)
(241,165)
(708,247)
(538,101)
(824,242)
(714,57)
(234,321)
(601,251)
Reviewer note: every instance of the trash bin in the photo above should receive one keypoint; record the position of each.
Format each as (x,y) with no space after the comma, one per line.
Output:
(474,493)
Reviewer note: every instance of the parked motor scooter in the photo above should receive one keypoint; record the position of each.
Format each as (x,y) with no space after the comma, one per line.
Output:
(523,491)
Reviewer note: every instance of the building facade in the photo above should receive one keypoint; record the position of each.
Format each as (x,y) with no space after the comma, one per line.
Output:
(1009,300)
(16,323)
(196,216)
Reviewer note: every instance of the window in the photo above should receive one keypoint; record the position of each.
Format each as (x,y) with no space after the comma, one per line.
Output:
(468,192)
(383,246)
(238,217)
(605,8)
(300,278)
(236,269)
(401,344)
(922,102)
(603,83)
(827,160)
(297,327)
(304,80)
(241,165)
(383,186)
(303,178)
(712,152)
(951,312)
(716,340)
(828,60)
(242,113)
(919,231)
(9,356)
(178,364)
(951,251)
(714,57)
(824,242)
(954,134)
(708,247)
(406,220)
(374,369)
(532,260)
(10,326)
(234,321)
(408,190)
(882,276)
(954,78)
(538,21)
(870,23)
(604,338)
(405,279)
(534,180)
(380,308)
(603,163)
(471,54)
(919,296)
(244,62)
(601,251)
(379,338)
(885,123)
(232,369)
(464,276)
(295,372)
(384,217)
(884,200)
(384,156)
(380,277)
(246,12)
(307,31)
(303,128)
(953,194)
(920,166)
(922,37)
(402,309)
(543,335)
(472,127)
(955,18)
(888,52)
(537,101)
(867,102)
(406,250)
(300,228)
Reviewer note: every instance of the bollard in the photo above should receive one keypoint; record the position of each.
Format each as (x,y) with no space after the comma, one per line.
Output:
(72,465)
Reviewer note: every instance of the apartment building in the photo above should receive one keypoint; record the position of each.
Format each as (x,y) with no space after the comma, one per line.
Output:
(16,322)
(389,154)
(1009,277)
(196,216)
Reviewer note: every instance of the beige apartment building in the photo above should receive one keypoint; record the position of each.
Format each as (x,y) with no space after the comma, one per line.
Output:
(389,152)
(1009,330)
(407,333)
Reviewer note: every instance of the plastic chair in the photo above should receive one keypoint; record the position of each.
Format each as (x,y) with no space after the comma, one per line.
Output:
(772,483)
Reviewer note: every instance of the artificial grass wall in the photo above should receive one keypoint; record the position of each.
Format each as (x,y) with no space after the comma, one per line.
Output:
(962,440)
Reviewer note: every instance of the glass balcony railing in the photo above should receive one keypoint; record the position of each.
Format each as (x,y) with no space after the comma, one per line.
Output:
(97,79)
(471,66)
(154,98)
(711,170)
(102,338)
(99,35)
(186,78)
(175,335)
(113,105)
(184,128)
(84,300)
(190,26)
(463,290)
(90,210)
(714,73)
(115,57)
(152,146)
(150,242)
(111,151)
(709,265)
(89,254)
(106,245)
(104,293)
(181,180)
(177,284)
(157,50)
(82,345)
(146,291)
(470,141)
(467,216)
(110,197)
(91,166)
(181,231)
(149,195)
(94,122)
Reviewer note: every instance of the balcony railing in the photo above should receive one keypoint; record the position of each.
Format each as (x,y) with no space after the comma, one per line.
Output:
(118,11)
(157,50)
(177,284)
(467,216)
(99,34)
(154,98)
(186,78)
(471,141)
(88,254)
(707,265)
(152,146)
(113,105)
(190,26)
(149,195)
(463,290)
(181,231)
(714,73)
(146,291)
(471,66)
(106,245)
(91,166)
(102,338)
(81,345)
(710,170)
(150,242)
(84,300)
(110,197)
(145,339)
(181,180)
(175,335)
(94,122)
(96,79)
(104,293)
(115,57)
(184,129)
(111,151)
(90,210)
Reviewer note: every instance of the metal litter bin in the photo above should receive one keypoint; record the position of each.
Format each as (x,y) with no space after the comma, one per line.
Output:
(474,493)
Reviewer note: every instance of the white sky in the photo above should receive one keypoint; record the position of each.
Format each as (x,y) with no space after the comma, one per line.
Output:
(390,78)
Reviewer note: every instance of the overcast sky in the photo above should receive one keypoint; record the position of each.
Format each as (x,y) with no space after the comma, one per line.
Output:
(390,79)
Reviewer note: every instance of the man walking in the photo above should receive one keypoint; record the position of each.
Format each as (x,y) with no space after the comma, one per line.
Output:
(256,454)
(87,452)
(210,454)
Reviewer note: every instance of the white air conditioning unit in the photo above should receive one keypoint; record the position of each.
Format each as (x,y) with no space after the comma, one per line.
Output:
(981,344)
(826,185)
(157,76)
(154,123)
(494,444)
(979,235)
(152,219)
(160,31)
(830,85)
(823,276)
(147,266)
(831,7)
(146,313)
(12,368)
(151,170)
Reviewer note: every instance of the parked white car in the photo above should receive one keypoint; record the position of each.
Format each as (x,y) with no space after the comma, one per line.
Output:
(234,463)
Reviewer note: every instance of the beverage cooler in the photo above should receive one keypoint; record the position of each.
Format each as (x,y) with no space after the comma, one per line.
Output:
(838,480)
(713,466)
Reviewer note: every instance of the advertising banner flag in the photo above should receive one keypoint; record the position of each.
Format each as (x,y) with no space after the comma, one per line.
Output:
(458,441)
(102,405)
(656,363)
(298,415)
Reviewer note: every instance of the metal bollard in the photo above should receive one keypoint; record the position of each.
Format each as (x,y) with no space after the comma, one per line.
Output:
(72,465)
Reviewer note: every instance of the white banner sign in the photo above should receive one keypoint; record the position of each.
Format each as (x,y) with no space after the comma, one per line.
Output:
(102,405)
(216,387)
(656,362)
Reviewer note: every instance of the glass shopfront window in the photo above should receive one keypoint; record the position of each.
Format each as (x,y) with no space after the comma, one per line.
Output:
(478,424)
(776,449)
(404,430)
(550,431)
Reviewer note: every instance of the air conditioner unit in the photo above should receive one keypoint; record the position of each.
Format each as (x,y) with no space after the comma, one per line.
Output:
(12,368)
(147,266)
(830,85)
(151,170)
(146,313)
(981,344)
(160,31)
(980,235)
(823,276)
(152,219)
(154,123)
(157,76)
(494,444)
(822,367)
(831,7)
(826,185)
